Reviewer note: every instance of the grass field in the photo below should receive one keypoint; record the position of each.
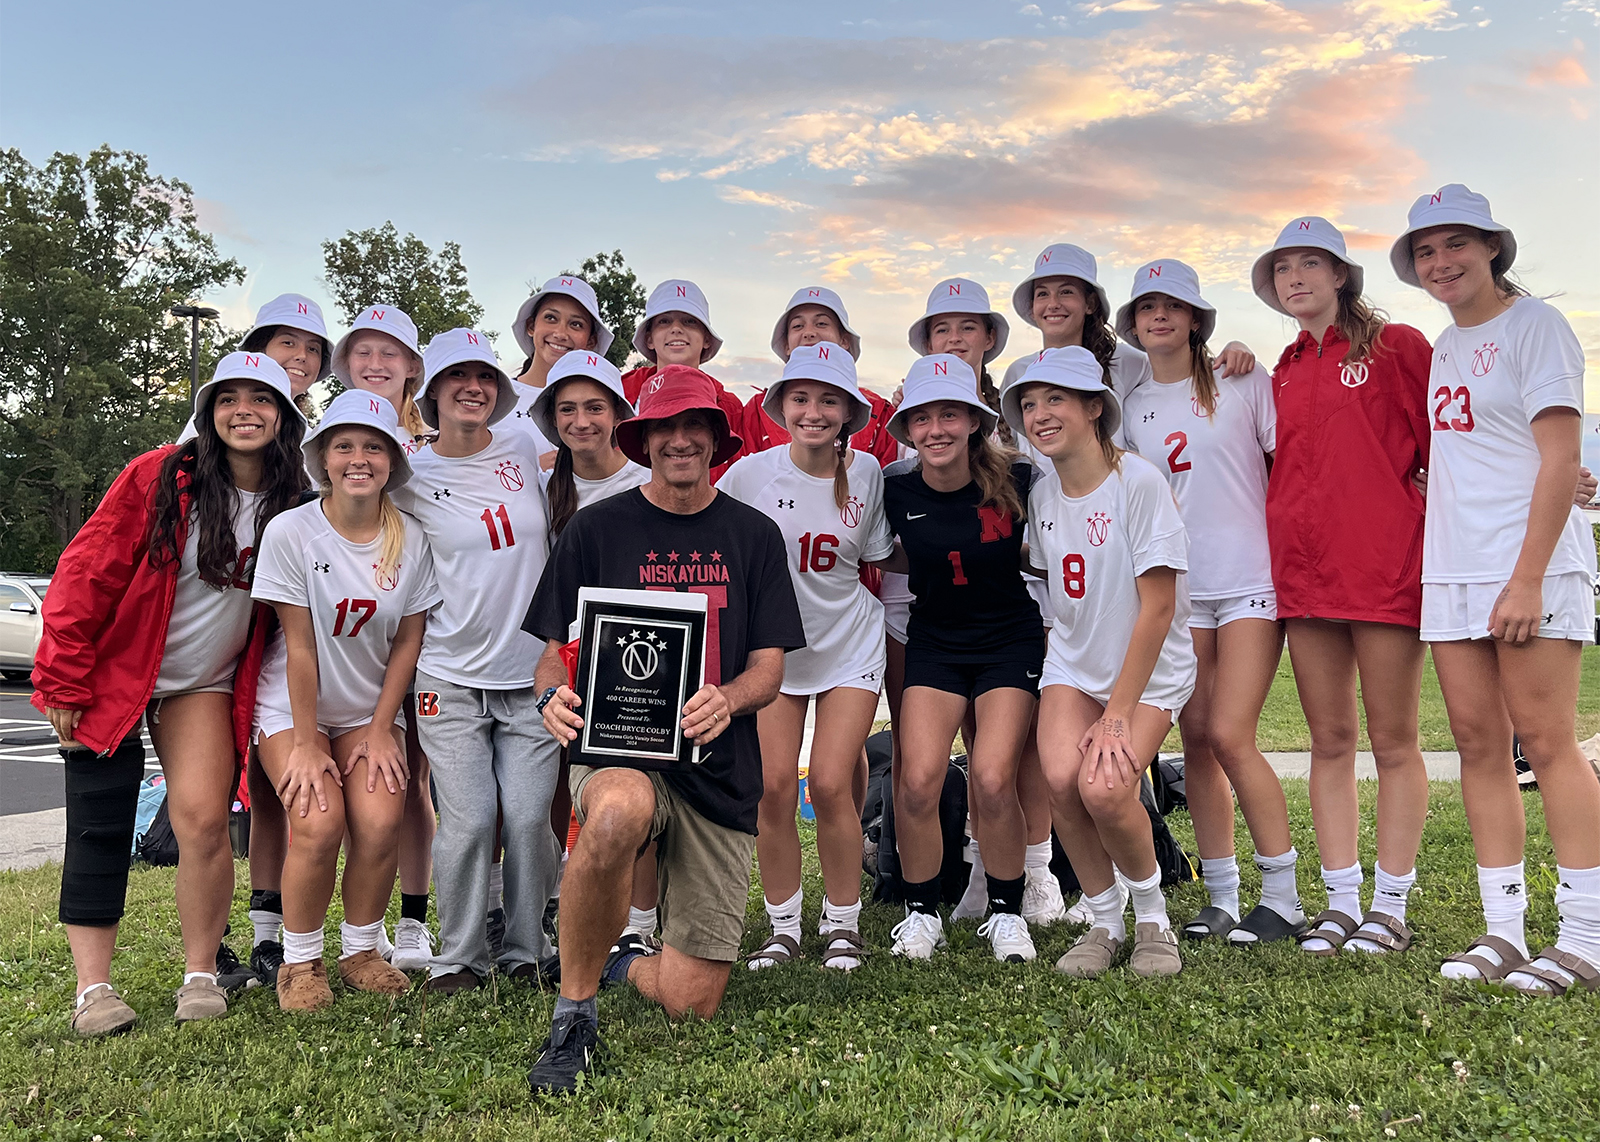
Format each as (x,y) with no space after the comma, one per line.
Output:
(1269,1044)
(1283,726)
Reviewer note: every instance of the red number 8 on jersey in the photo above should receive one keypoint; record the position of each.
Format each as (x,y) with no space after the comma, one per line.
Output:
(1072,572)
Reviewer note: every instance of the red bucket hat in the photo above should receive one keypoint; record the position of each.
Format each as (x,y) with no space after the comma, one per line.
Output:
(675,389)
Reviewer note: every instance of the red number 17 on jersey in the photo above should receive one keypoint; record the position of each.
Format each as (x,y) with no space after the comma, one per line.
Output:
(365,608)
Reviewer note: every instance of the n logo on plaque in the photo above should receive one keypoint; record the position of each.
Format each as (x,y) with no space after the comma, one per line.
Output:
(641,655)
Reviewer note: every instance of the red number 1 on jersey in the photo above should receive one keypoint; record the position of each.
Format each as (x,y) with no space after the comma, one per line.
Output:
(488,518)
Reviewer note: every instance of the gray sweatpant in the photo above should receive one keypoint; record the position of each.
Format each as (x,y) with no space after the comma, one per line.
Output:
(489,749)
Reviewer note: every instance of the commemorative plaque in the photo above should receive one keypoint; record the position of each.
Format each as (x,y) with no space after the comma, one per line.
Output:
(641,656)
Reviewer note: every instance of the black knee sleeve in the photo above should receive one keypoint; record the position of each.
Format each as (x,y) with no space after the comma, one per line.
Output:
(102,803)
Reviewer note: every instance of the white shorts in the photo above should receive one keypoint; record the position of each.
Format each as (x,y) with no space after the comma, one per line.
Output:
(896,596)
(896,617)
(1209,614)
(863,670)
(269,722)
(1452,612)
(1170,697)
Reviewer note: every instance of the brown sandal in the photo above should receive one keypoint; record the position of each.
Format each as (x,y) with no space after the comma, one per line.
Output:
(855,949)
(1343,925)
(1393,935)
(1090,955)
(1583,973)
(368,971)
(779,948)
(1489,972)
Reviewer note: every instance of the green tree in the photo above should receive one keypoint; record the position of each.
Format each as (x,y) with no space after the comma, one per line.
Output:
(621,296)
(93,370)
(378,267)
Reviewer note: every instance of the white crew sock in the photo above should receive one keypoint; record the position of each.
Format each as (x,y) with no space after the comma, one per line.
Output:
(187,976)
(1578,904)
(266,925)
(1221,876)
(1037,856)
(641,921)
(497,886)
(1149,905)
(82,995)
(1389,894)
(1108,910)
(1279,891)
(1504,892)
(302,947)
(844,916)
(785,916)
(1344,895)
(362,938)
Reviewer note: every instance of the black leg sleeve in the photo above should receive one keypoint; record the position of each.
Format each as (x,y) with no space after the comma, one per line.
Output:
(102,803)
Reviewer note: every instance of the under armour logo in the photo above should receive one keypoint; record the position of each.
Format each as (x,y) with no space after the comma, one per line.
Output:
(1148,417)
(323,567)
(1512,889)
(871,676)
(783,503)
(1048,525)
(1261,603)
(1549,618)
(443,493)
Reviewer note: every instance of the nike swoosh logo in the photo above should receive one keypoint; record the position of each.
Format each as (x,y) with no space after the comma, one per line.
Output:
(919,516)
(1031,673)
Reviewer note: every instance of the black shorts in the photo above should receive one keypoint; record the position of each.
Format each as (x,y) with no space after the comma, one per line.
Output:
(1017,666)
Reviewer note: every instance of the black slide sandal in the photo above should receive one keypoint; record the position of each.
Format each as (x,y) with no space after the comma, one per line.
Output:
(1266,925)
(1208,923)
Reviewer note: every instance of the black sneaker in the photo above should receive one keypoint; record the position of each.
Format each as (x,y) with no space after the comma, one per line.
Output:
(232,975)
(572,1049)
(266,958)
(497,932)
(629,948)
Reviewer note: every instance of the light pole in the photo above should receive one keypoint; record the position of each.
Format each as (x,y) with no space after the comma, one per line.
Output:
(194,313)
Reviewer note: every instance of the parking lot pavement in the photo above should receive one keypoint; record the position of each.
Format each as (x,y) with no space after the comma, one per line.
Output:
(31,772)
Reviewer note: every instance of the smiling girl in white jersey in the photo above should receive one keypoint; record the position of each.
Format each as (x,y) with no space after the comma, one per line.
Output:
(1508,571)
(827,500)
(352,584)
(1121,663)
(562,317)
(1210,438)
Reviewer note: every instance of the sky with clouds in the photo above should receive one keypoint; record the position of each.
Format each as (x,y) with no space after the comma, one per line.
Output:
(875,146)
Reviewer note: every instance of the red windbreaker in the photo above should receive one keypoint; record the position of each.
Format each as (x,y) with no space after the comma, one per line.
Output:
(762,432)
(633,381)
(106,615)
(1344,521)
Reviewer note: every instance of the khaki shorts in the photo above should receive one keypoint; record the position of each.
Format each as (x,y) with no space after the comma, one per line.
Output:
(704,870)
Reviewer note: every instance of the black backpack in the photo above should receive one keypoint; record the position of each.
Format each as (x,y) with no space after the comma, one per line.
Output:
(888,887)
(159,845)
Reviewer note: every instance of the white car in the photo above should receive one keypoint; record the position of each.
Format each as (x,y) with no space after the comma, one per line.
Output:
(21,599)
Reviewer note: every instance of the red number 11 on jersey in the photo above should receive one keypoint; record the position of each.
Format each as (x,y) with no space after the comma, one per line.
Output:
(488,517)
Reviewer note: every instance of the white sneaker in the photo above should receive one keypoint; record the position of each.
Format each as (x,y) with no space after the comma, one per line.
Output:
(975,900)
(917,936)
(1009,935)
(1041,898)
(413,945)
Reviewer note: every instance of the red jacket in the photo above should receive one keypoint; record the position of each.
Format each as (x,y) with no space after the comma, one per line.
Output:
(633,381)
(1344,521)
(762,432)
(106,615)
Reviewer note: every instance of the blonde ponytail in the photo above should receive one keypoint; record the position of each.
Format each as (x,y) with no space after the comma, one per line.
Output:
(393,533)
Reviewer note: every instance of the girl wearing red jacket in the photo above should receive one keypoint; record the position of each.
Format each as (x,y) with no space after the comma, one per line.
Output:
(1344,524)
(150,617)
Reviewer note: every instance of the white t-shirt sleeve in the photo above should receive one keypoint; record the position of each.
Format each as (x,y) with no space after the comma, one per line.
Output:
(425,592)
(1156,535)
(1549,360)
(739,480)
(879,543)
(280,566)
(1263,409)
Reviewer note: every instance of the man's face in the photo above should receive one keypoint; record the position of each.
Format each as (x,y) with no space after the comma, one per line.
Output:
(680,448)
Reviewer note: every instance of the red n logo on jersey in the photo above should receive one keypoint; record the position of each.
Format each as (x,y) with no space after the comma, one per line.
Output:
(252,360)
(940,369)
(472,338)
(996,523)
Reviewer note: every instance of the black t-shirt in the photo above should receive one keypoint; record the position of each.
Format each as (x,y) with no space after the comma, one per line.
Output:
(728,552)
(966,565)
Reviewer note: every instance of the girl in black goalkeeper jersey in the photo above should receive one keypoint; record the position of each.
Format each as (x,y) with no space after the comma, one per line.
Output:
(975,637)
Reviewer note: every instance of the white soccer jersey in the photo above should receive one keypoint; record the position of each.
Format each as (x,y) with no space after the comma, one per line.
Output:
(522,417)
(1094,549)
(208,628)
(486,521)
(1218,471)
(826,547)
(1486,385)
(630,475)
(354,612)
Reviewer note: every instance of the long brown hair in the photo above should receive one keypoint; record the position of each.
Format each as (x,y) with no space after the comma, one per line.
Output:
(1203,376)
(563,488)
(1098,336)
(200,468)
(990,465)
(1359,323)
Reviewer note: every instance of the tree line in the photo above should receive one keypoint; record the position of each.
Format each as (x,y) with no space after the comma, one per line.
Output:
(94,252)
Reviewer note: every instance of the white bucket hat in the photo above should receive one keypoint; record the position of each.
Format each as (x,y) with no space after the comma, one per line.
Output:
(1175,279)
(385,319)
(297,312)
(940,377)
(815,295)
(453,347)
(1452,204)
(675,295)
(1073,367)
(959,295)
(579,291)
(1059,261)
(1310,232)
(580,364)
(242,366)
(356,406)
(830,364)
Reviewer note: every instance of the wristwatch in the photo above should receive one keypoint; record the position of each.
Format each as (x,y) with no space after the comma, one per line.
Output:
(544,699)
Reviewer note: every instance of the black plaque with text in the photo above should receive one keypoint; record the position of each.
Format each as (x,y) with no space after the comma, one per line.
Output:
(641,655)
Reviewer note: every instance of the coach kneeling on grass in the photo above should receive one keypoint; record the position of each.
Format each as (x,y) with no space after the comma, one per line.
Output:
(703,818)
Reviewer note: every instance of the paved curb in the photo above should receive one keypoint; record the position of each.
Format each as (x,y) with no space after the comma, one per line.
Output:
(28,840)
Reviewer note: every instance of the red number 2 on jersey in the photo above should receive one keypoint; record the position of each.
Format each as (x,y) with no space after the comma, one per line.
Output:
(1173,463)
(1446,398)
(366,608)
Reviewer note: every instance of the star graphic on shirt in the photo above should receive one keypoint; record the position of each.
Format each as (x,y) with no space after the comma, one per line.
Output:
(716,557)
(442,493)
(694,556)
(672,557)
(650,556)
